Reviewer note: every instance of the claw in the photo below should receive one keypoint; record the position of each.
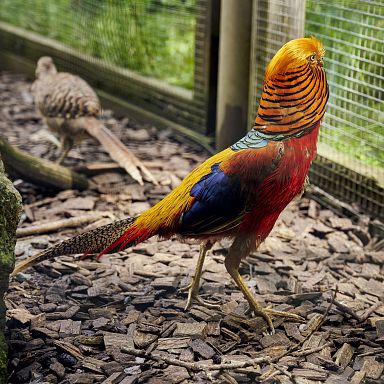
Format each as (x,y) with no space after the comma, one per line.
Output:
(206,303)
(268,313)
(193,295)
(263,313)
(185,288)
(286,315)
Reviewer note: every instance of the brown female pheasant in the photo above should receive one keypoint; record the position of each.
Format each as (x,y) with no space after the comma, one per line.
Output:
(71,108)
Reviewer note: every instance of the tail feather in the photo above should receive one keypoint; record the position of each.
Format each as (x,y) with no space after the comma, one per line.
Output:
(118,151)
(108,238)
(132,236)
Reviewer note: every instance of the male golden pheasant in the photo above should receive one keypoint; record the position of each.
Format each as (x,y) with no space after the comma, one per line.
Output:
(71,108)
(239,192)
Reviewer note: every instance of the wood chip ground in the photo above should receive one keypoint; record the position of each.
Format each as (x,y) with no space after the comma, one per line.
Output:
(122,320)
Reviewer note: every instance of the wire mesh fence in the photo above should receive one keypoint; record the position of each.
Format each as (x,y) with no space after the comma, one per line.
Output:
(152,37)
(152,53)
(353,33)
(352,133)
(351,161)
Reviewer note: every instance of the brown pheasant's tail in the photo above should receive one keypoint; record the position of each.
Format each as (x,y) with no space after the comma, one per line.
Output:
(108,238)
(118,151)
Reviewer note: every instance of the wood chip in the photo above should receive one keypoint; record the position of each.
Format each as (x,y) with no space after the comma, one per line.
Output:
(69,328)
(379,324)
(69,348)
(115,378)
(115,341)
(93,364)
(164,344)
(90,340)
(142,339)
(202,348)
(344,355)
(176,374)
(275,340)
(372,368)
(192,330)
(309,374)
(58,369)
(358,377)
(20,315)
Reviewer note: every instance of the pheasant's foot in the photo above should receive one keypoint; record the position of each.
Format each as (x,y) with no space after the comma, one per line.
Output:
(239,249)
(193,287)
(206,303)
(258,311)
(267,314)
(287,315)
(193,295)
(66,145)
(185,288)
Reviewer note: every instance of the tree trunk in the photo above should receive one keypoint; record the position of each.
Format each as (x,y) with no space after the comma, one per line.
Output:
(39,171)
(10,209)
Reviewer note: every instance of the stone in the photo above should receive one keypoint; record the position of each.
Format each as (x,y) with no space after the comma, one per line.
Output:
(10,210)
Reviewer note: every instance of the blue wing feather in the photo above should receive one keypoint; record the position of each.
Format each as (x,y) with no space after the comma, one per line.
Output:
(218,203)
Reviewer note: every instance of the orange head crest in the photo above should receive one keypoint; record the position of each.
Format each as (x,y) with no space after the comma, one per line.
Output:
(294,54)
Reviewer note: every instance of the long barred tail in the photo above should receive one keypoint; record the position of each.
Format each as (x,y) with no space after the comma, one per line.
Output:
(108,238)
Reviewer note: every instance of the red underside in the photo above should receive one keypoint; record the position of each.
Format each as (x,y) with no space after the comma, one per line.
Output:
(281,186)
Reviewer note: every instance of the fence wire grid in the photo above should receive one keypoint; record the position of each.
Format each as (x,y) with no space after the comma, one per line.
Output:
(155,38)
(351,161)
(154,54)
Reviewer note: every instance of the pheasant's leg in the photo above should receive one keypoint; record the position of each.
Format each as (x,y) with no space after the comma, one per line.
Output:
(232,266)
(193,287)
(239,250)
(66,146)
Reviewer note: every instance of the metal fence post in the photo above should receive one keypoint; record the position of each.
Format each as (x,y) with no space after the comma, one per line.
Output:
(233,78)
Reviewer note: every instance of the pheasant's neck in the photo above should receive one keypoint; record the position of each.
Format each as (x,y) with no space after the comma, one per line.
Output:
(302,149)
(294,165)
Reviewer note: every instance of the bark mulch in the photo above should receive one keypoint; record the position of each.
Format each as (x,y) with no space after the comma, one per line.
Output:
(122,320)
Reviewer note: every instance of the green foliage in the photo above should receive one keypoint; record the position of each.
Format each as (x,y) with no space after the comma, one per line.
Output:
(353,35)
(152,37)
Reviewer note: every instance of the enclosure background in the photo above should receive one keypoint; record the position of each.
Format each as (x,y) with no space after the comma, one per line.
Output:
(163,50)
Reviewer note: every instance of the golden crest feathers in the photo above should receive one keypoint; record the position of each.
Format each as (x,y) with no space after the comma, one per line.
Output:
(294,54)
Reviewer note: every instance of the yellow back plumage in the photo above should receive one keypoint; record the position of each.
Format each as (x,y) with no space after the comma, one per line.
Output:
(166,212)
(293,54)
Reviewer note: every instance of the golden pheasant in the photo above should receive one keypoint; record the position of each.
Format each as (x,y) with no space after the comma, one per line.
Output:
(239,192)
(72,109)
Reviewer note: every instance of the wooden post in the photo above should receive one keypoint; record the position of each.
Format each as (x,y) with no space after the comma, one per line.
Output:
(233,80)
(10,209)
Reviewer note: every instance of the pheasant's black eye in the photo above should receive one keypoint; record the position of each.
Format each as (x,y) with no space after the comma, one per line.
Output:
(312,57)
